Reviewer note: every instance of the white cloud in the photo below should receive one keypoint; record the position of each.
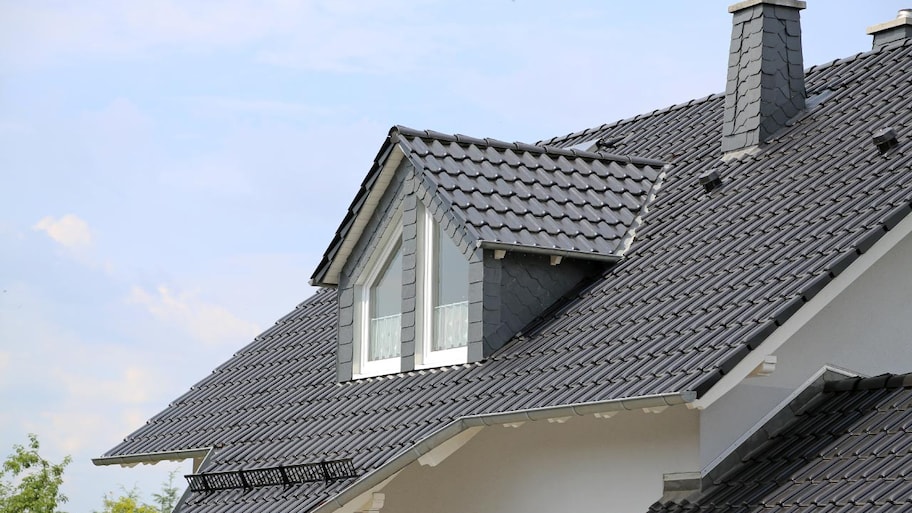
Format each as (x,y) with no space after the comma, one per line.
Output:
(208,323)
(69,231)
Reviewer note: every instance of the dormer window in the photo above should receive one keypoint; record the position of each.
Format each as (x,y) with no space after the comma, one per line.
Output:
(385,319)
(380,311)
(445,305)
(441,303)
(453,245)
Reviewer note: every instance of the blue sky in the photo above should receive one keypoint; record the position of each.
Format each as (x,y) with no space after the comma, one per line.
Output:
(172,171)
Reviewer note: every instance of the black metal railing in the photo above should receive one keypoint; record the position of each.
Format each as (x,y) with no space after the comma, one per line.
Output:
(293,474)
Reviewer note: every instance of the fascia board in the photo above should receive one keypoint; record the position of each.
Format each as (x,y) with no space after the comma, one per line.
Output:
(806,313)
(384,177)
(151,458)
(818,378)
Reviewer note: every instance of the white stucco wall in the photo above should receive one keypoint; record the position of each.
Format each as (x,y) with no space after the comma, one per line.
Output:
(585,464)
(866,329)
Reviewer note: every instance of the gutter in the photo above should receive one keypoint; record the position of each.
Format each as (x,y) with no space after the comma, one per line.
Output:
(538,250)
(377,477)
(151,457)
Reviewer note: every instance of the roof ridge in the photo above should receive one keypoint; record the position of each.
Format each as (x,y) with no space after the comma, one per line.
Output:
(893,46)
(870,383)
(623,121)
(525,147)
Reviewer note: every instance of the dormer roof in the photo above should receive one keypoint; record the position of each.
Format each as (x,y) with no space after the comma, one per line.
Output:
(514,196)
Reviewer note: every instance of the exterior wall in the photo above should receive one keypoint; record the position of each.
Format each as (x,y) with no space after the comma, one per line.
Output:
(866,329)
(519,288)
(584,464)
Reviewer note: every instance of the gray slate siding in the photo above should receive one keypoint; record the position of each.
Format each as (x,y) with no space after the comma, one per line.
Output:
(765,86)
(518,288)
(409,273)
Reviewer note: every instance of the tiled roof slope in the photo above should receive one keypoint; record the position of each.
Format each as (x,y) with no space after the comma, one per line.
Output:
(549,199)
(539,197)
(708,277)
(849,452)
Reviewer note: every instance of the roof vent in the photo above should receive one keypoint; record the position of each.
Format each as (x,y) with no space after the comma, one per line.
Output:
(886,140)
(607,143)
(898,29)
(710,180)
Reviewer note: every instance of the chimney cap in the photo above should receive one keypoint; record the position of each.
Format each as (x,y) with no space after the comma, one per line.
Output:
(903,17)
(740,6)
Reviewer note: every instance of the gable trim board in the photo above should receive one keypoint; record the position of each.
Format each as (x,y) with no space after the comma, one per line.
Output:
(799,398)
(813,301)
(373,481)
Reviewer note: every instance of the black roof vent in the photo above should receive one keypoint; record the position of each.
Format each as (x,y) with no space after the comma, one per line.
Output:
(606,143)
(886,140)
(710,180)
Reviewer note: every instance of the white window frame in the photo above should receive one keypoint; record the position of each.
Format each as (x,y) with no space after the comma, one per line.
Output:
(425,356)
(367,368)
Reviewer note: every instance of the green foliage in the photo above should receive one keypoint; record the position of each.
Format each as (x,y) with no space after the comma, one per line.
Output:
(30,483)
(167,499)
(127,503)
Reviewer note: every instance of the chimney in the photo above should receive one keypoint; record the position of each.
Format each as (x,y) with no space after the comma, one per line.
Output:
(894,30)
(765,85)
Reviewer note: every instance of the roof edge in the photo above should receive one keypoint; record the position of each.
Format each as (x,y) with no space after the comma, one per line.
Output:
(788,319)
(587,132)
(377,477)
(380,168)
(533,148)
(539,250)
(774,420)
(150,458)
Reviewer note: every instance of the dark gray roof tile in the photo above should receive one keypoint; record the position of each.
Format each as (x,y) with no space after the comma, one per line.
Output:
(836,454)
(701,285)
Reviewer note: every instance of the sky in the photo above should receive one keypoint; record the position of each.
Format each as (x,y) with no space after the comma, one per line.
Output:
(172,171)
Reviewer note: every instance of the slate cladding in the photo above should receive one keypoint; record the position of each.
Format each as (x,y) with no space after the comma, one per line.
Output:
(765,84)
(707,278)
(849,451)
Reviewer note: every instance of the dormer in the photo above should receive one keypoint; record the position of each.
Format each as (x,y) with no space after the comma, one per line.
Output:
(453,245)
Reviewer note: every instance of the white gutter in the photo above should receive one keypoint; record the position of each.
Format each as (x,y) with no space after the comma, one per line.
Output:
(368,483)
(151,458)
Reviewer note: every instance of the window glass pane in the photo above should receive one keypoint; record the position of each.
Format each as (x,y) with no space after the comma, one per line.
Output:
(451,295)
(385,310)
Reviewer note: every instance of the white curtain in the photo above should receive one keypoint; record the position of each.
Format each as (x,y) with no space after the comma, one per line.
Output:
(384,337)
(451,326)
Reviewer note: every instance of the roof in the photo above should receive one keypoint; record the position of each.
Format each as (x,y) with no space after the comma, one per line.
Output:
(517,196)
(849,451)
(708,277)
